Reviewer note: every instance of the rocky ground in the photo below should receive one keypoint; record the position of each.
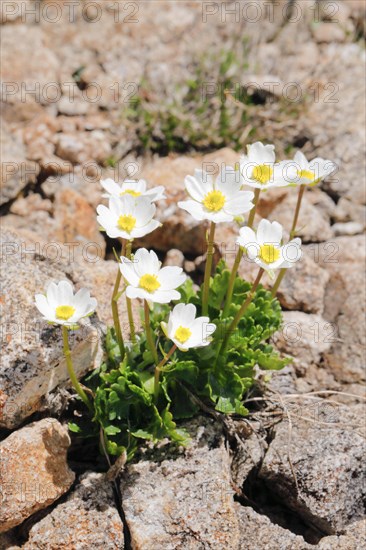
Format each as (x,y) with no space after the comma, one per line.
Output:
(138,88)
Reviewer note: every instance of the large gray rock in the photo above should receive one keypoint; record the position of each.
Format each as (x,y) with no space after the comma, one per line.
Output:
(259,533)
(34,470)
(344,260)
(305,337)
(32,363)
(16,170)
(328,464)
(303,287)
(183,501)
(88,519)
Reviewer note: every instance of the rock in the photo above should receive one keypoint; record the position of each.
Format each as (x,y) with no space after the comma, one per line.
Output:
(174,257)
(76,221)
(183,501)
(259,533)
(327,462)
(39,137)
(349,229)
(313,224)
(88,519)
(88,187)
(328,32)
(34,470)
(303,287)
(68,223)
(304,337)
(72,107)
(250,449)
(28,78)
(331,133)
(348,210)
(344,259)
(354,537)
(33,363)
(81,148)
(16,170)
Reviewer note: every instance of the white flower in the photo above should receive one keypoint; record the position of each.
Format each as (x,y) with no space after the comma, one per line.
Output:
(135,188)
(61,306)
(258,168)
(187,331)
(219,201)
(301,171)
(127,217)
(148,280)
(264,246)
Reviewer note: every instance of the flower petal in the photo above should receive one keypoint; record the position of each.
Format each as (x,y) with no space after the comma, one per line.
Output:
(261,154)
(171,277)
(194,188)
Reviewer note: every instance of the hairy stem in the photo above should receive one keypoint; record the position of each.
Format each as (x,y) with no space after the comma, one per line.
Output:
(149,334)
(128,301)
(116,321)
(208,269)
(282,272)
(70,369)
(230,287)
(257,192)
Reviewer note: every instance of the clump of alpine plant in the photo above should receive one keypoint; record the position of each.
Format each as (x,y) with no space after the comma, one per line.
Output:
(198,346)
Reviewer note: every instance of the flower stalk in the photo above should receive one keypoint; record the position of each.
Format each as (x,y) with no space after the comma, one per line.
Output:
(282,272)
(70,369)
(128,300)
(257,192)
(149,334)
(231,283)
(208,268)
(239,256)
(116,321)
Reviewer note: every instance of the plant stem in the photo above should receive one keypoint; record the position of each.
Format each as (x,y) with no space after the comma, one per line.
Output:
(282,272)
(230,287)
(241,312)
(257,192)
(280,276)
(208,268)
(75,382)
(149,334)
(297,211)
(117,324)
(158,370)
(129,302)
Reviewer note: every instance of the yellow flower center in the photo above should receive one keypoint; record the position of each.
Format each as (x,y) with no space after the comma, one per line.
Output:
(262,173)
(149,282)
(65,312)
(126,223)
(268,253)
(308,174)
(130,192)
(214,201)
(182,334)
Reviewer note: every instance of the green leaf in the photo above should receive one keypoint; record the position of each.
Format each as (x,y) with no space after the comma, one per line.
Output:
(111,430)
(74,428)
